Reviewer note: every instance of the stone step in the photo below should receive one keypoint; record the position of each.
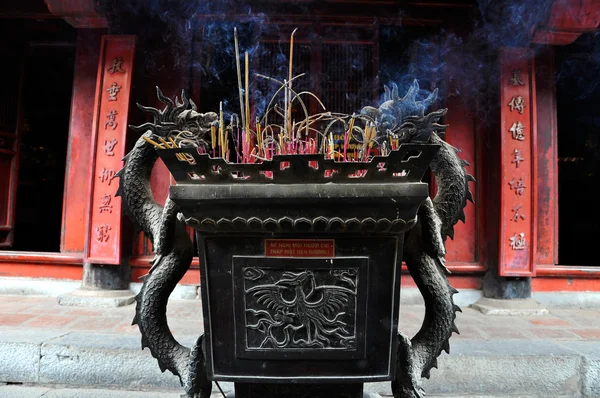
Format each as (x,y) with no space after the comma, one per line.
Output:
(475,367)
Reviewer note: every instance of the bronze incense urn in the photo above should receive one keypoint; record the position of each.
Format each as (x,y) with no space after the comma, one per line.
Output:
(300,252)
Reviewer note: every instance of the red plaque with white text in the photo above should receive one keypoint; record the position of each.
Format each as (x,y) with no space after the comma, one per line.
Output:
(299,248)
(113,87)
(517,167)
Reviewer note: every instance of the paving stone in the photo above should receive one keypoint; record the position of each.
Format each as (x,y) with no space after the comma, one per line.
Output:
(554,334)
(588,334)
(44,310)
(503,333)
(16,391)
(20,353)
(13,307)
(503,353)
(469,332)
(14,319)
(550,321)
(85,312)
(50,321)
(101,360)
(94,323)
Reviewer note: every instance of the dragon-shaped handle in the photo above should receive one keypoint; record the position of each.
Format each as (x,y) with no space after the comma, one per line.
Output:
(405,119)
(173,246)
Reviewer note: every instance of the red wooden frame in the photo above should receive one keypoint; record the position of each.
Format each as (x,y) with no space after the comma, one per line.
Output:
(11,148)
(466,252)
(546,184)
(78,13)
(78,172)
(568,19)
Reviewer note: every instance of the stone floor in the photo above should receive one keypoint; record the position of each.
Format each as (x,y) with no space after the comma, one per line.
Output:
(185,317)
(45,344)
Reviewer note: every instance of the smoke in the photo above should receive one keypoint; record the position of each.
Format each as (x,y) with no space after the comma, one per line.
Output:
(464,65)
(195,37)
(579,66)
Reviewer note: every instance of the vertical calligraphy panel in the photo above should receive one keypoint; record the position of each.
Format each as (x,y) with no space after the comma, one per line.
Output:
(517,168)
(113,87)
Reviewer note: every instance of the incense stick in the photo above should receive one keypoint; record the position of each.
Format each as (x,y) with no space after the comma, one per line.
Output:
(156,144)
(247,113)
(239,75)
(165,142)
(286,92)
(289,106)
(221,138)
(347,136)
(213,138)
(258,136)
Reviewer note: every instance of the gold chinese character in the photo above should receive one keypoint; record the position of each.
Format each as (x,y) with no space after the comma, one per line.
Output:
(518,242)
(517,102)
(115,66)
(112,115)
(516,79)
(113,91)
(109,146)
(517,130)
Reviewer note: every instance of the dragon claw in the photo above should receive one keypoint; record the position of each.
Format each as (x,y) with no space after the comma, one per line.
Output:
(155,261)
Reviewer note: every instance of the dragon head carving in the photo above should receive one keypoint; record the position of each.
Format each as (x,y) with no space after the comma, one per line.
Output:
(404,118)
(177,118)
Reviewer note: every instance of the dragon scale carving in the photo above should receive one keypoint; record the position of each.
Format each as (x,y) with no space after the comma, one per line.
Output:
(405,119)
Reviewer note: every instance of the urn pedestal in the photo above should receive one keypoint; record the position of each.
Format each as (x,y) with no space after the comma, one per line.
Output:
(300,267)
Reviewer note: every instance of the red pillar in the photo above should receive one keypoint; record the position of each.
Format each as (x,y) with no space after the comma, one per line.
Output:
(105,279)
(547,160)
(77,179)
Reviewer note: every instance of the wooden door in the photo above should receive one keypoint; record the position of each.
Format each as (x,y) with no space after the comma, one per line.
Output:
(11,72)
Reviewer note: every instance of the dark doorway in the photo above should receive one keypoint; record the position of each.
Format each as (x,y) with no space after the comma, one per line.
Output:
(46,103)
(578,96)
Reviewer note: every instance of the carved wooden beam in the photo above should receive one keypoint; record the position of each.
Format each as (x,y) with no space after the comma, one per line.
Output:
(78,13)
(568,19)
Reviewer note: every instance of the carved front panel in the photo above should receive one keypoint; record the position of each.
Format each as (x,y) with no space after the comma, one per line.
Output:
(302,309)
(298,307)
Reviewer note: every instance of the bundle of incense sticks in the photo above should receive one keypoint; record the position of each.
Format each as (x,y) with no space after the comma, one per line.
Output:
(262,140)
(171,144)
(261,144)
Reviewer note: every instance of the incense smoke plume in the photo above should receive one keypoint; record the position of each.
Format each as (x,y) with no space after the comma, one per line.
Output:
(460,65)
